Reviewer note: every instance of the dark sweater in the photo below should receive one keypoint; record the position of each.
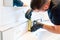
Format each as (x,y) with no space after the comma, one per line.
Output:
(54,14)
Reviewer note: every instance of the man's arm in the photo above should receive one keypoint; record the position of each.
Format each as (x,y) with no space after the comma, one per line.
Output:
(54,16)
(54,29)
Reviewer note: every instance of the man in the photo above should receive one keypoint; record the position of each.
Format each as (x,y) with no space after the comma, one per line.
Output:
(53,12)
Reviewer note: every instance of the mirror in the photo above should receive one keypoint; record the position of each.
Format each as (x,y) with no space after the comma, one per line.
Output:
(17,3)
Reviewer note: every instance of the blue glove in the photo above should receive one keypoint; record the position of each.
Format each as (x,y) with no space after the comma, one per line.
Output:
(36,26)
(17,3)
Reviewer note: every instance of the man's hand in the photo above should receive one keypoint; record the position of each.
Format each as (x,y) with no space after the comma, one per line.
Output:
(36,26)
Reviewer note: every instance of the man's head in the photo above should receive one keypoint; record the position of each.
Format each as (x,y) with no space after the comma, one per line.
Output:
(40,5)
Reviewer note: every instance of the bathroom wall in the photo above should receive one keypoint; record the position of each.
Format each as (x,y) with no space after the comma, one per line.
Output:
(8,3)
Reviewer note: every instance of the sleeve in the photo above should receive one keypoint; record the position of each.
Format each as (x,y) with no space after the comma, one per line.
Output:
(54,14)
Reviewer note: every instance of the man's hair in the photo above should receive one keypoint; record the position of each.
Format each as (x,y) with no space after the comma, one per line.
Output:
(37,4)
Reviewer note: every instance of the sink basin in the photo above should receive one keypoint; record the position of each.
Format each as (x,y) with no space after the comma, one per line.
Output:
(40,34)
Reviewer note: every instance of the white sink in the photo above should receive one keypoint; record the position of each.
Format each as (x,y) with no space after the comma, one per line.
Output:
(40,35)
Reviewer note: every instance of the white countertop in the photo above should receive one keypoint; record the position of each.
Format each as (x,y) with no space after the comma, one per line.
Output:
(12,16)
